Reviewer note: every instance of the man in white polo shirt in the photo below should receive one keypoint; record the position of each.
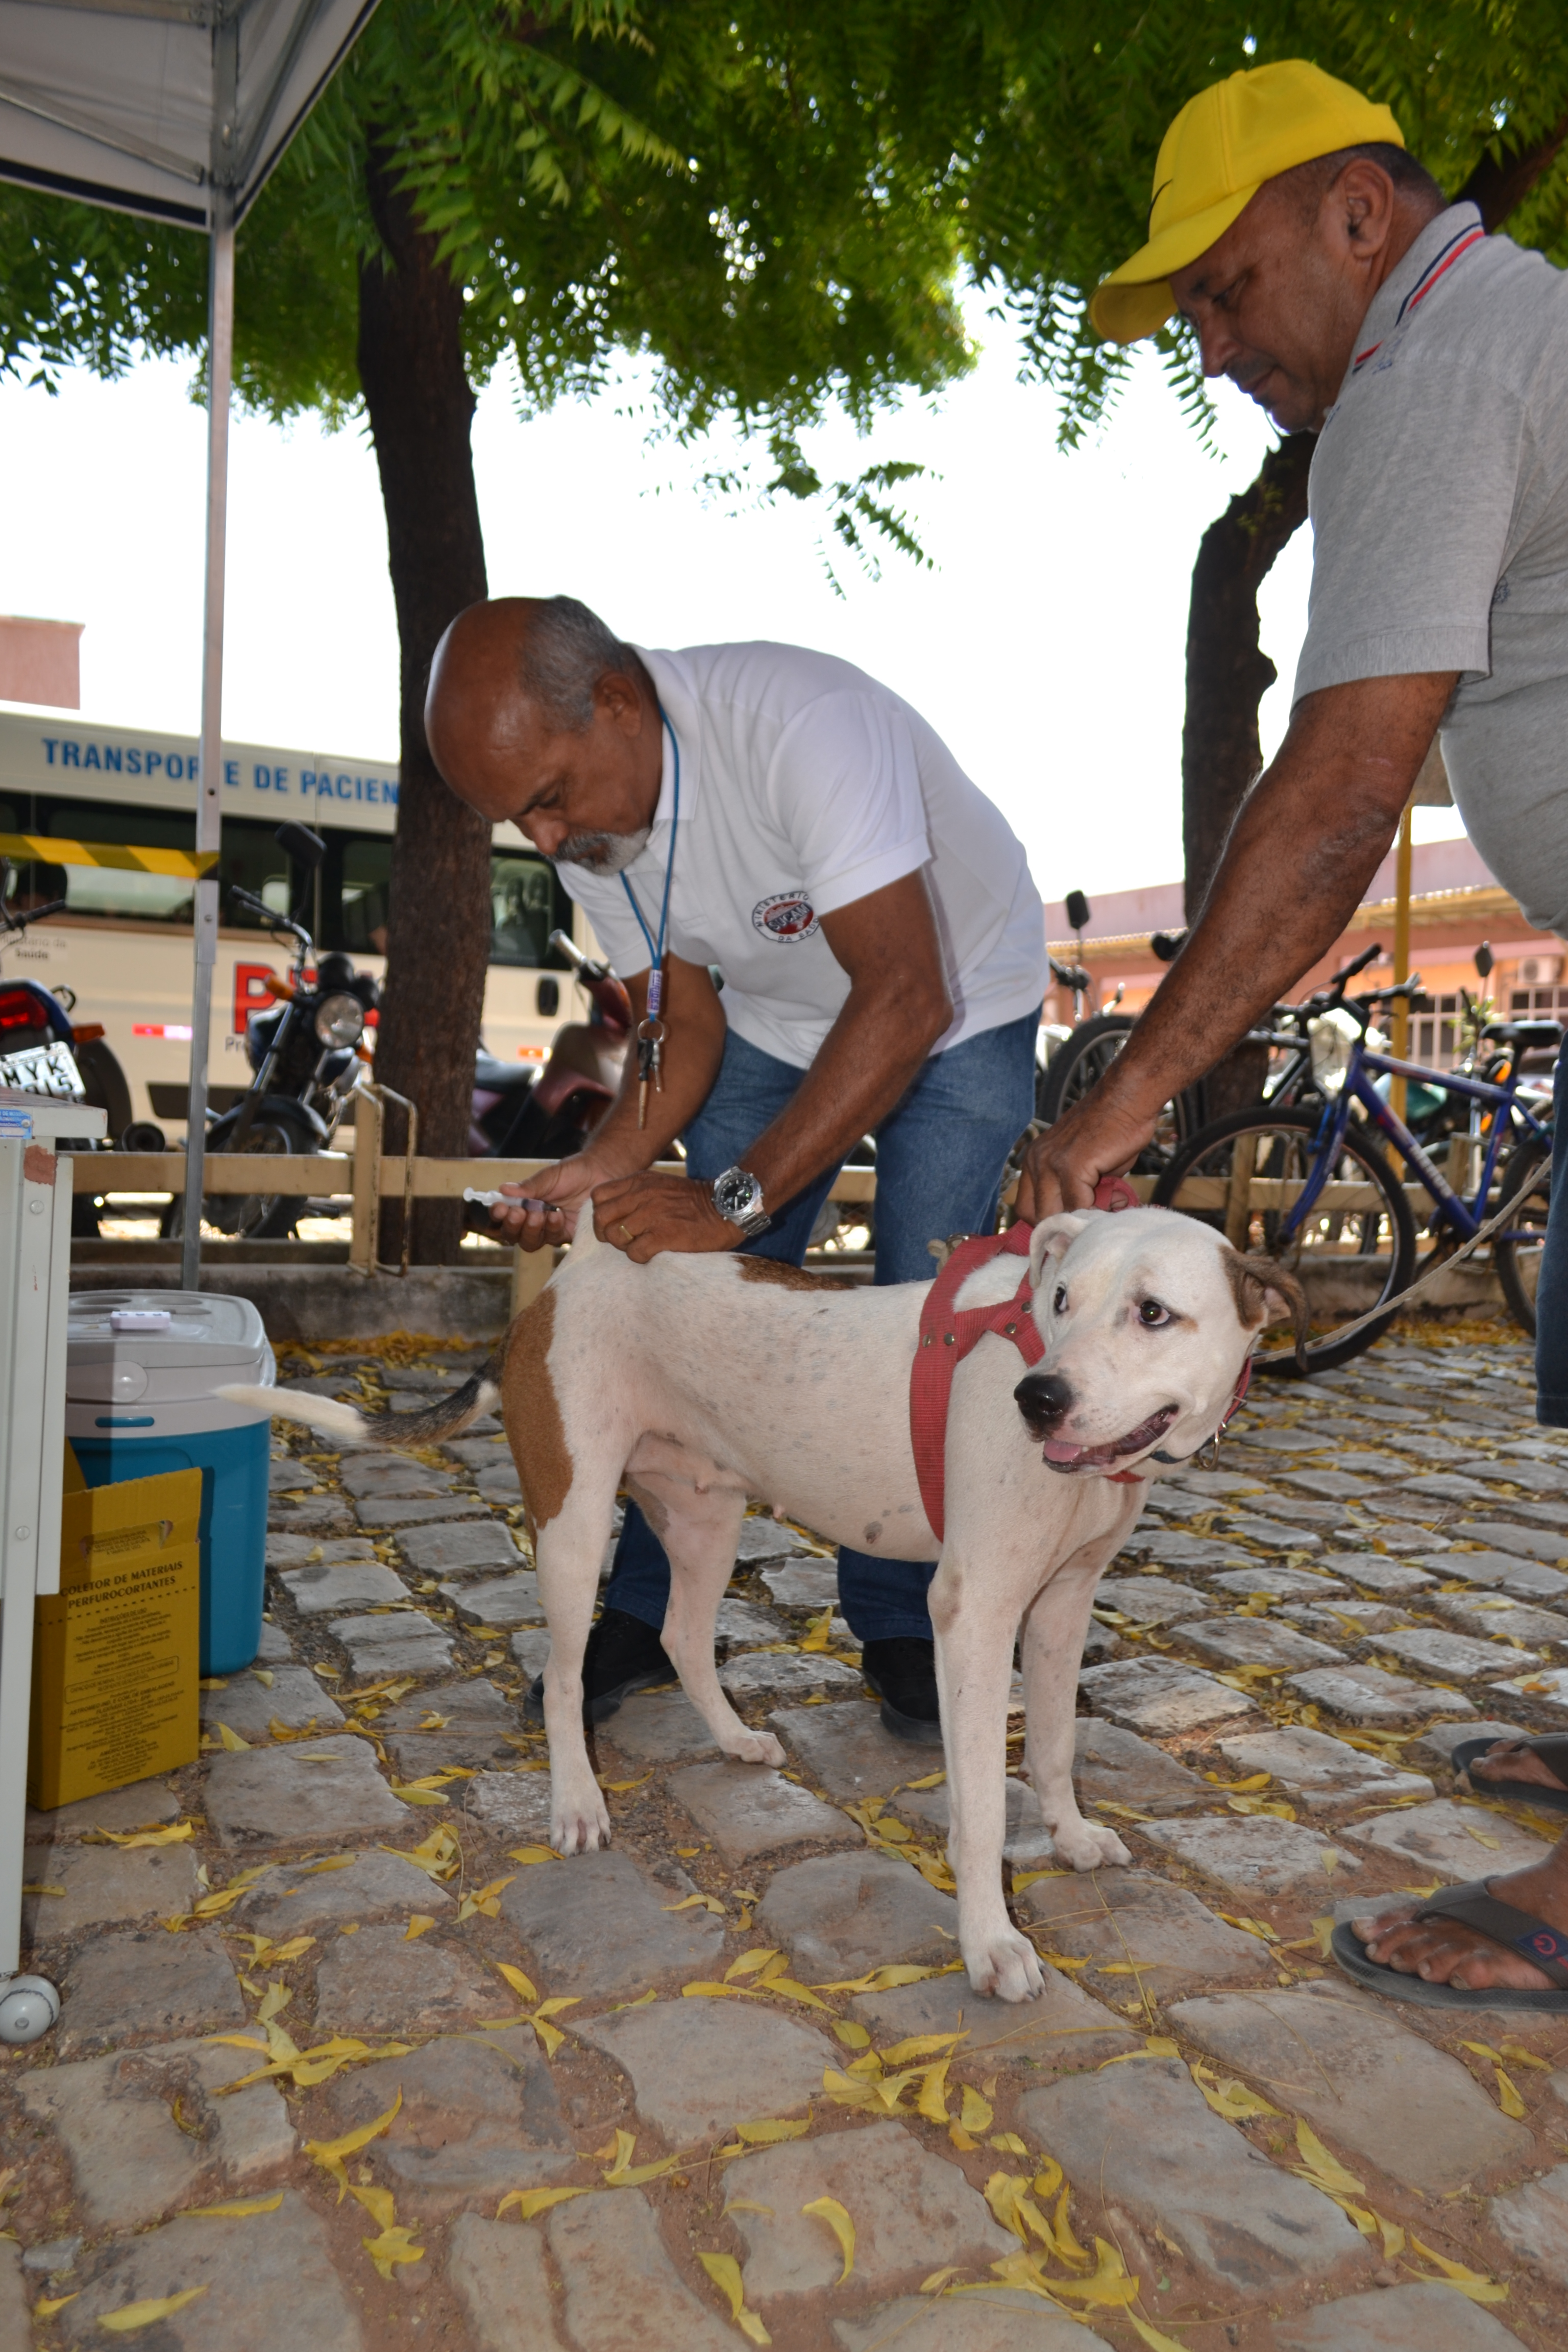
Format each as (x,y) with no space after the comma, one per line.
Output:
(1326,273)
(778,814)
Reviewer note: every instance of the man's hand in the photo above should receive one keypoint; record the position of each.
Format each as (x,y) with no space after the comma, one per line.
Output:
(1063,1166)
(560,1191)
(645,1213)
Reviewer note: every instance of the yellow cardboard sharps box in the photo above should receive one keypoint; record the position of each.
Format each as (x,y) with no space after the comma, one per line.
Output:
(116,1651)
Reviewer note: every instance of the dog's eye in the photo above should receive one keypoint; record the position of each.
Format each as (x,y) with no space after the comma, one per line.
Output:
(1059,1302)
(1150,1314)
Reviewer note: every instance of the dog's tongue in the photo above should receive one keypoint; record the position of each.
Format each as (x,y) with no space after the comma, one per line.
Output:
(1056,1452)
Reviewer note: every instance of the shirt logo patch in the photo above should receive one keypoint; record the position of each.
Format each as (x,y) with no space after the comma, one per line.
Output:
(787,915)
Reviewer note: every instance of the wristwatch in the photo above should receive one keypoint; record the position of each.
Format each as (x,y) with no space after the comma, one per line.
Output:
(738,1197)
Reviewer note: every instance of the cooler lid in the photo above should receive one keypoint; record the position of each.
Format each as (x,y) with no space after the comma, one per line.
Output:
(168,1328)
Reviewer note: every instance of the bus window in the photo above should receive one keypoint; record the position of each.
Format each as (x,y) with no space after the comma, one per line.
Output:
(251,859)
(109,890)
(527,903)
(361,867)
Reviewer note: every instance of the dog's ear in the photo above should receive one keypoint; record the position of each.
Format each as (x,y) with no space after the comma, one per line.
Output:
(1052,1238)
(1264,1294)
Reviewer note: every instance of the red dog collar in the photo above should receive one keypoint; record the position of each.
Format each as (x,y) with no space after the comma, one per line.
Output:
(949,1335)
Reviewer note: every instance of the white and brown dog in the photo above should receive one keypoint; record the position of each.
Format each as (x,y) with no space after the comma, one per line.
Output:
(696,1383)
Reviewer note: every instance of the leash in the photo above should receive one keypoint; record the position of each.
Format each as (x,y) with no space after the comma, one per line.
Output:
(949,1334)
(1397,1305)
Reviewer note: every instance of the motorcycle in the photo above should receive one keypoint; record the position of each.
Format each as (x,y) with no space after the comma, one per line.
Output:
(43,1051)
(307,1053)
(524,1110)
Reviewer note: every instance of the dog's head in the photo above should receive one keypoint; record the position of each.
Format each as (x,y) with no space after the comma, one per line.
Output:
(1147,1317)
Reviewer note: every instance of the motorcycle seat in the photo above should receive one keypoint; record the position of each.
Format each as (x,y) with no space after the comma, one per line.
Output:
(494,1077)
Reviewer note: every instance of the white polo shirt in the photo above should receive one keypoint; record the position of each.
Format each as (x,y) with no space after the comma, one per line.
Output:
(805,785)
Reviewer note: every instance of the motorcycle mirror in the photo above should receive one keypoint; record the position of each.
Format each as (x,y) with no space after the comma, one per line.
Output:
(298,842)
(1077,911)
(1485,960)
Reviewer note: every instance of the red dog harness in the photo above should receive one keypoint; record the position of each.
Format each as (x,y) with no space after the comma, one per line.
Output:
(948,1335)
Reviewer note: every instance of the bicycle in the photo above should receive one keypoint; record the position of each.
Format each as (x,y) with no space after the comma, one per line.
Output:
(1085,1052)
(1295,1183)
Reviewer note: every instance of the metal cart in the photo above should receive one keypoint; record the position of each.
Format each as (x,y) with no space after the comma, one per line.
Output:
(35,1279)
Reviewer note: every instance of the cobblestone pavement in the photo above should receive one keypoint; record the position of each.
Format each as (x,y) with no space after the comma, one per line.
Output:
(347,2057)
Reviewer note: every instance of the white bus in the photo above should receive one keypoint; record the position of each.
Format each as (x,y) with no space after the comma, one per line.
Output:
(122,942)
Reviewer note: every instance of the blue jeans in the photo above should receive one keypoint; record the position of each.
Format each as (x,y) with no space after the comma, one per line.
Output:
(940,1155)
(1551,1286)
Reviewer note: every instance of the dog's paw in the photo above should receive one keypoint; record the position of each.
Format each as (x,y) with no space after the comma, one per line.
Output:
(756,1747)
(1089,1846)
(1006,1967)
(579,1826)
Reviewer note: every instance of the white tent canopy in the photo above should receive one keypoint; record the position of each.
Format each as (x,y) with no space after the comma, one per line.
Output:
(153,105)
(178,110)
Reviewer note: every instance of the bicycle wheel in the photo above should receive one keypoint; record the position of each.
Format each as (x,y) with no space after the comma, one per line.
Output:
(1241,1176)
(1079,1064)
(1515,1252)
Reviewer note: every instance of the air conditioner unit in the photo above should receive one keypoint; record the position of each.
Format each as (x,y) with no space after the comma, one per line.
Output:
(1540,970)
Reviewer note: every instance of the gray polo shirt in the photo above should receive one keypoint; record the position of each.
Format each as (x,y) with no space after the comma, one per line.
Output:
(1439,507)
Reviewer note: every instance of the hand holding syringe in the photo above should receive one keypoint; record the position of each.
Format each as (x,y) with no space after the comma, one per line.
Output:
(508,1200)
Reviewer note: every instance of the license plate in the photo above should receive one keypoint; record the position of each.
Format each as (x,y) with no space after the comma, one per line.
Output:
(44,1070)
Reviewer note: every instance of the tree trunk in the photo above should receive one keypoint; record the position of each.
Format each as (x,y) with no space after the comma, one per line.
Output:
(420,407)
(1227,676)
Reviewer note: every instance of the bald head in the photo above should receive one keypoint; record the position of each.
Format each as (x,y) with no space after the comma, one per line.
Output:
(537,713)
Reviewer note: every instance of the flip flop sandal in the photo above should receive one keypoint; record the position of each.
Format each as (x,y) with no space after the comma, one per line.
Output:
(1552,1749)
(1474,1906)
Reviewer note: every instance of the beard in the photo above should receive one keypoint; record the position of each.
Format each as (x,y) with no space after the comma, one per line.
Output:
(605,853)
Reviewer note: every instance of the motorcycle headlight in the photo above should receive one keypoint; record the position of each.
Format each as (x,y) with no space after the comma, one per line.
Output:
(1331,1036)
(340,1019)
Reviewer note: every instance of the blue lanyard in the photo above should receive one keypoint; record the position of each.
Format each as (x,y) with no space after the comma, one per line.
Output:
(656,947)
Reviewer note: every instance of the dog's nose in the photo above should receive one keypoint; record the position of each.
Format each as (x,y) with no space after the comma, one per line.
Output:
(1044,1398)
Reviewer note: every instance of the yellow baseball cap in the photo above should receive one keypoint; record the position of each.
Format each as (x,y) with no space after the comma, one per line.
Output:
(1213,159)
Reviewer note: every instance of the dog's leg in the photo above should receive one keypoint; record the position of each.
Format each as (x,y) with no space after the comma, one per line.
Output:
(1053,1637)
(567,1553)
(974,1619)
(701,1536)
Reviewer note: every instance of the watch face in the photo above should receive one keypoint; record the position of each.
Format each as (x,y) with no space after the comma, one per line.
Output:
(735,1193)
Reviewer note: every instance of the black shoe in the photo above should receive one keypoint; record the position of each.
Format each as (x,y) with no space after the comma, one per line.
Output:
(902,1674)
(623,1655)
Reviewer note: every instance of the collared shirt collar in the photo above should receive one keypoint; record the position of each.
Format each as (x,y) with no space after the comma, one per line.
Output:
(1442,243)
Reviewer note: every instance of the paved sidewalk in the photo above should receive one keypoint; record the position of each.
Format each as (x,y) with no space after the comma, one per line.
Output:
(348,2058)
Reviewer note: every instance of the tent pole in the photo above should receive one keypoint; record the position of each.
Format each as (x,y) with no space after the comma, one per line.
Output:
(220,376)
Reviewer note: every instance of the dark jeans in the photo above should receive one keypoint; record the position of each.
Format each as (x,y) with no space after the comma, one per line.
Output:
(940,1156)
(1552,1288)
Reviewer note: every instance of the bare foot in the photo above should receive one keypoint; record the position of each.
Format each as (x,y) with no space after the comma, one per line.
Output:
(1444,1951)
(1511,1759)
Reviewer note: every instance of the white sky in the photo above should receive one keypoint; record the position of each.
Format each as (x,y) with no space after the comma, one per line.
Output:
(1046,643)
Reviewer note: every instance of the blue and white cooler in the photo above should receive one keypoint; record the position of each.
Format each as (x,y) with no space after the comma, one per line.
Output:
(142,1372)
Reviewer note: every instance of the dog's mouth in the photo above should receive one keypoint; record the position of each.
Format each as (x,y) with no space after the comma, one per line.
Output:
(1058,1455)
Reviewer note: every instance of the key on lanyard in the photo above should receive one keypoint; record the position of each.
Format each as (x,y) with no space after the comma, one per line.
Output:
(650,1049)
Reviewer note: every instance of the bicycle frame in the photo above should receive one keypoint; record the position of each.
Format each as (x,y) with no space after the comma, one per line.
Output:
(1451,1205)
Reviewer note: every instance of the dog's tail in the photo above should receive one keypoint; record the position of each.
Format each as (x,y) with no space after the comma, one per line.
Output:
(402,1432)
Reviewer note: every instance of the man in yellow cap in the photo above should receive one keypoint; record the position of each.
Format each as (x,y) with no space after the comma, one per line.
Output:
(1327,275)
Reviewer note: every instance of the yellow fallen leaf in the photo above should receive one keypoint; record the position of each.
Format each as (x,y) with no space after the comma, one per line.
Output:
(1067,2245)
(330,2153)
(274,2002)
(837,2220)
(888,1978)
(623,2174)
(748,2205)
(919,2045)
(773,2128)
(619,1788)
(1109,2285)
(1507,2096)
(175,1833)
(846,2090)
(694,1902)
(1325,2169)
(264,1675)
(291,1950)
(413,1796)
(933,2100)
(976,2113)
(725,2273)
(232,1740)
(438,1856)
(522,1986)
(939,2279)
(1231,2099)
(1475,2284)
(35,1886)
(790,1990)
(48,2304)
(1007,2194)
(1518,2055)
(1155,2337)
(1156,2045)
(394,2245)
(483,1900)
(530,2202)
(239,2208)
(749,1962)
(132,2315)
(1008,2144)
(420,1924)
(1324,1930)
(1393,2239)
(527,1853)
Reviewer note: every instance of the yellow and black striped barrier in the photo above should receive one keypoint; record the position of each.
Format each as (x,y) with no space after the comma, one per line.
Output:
(43,849)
